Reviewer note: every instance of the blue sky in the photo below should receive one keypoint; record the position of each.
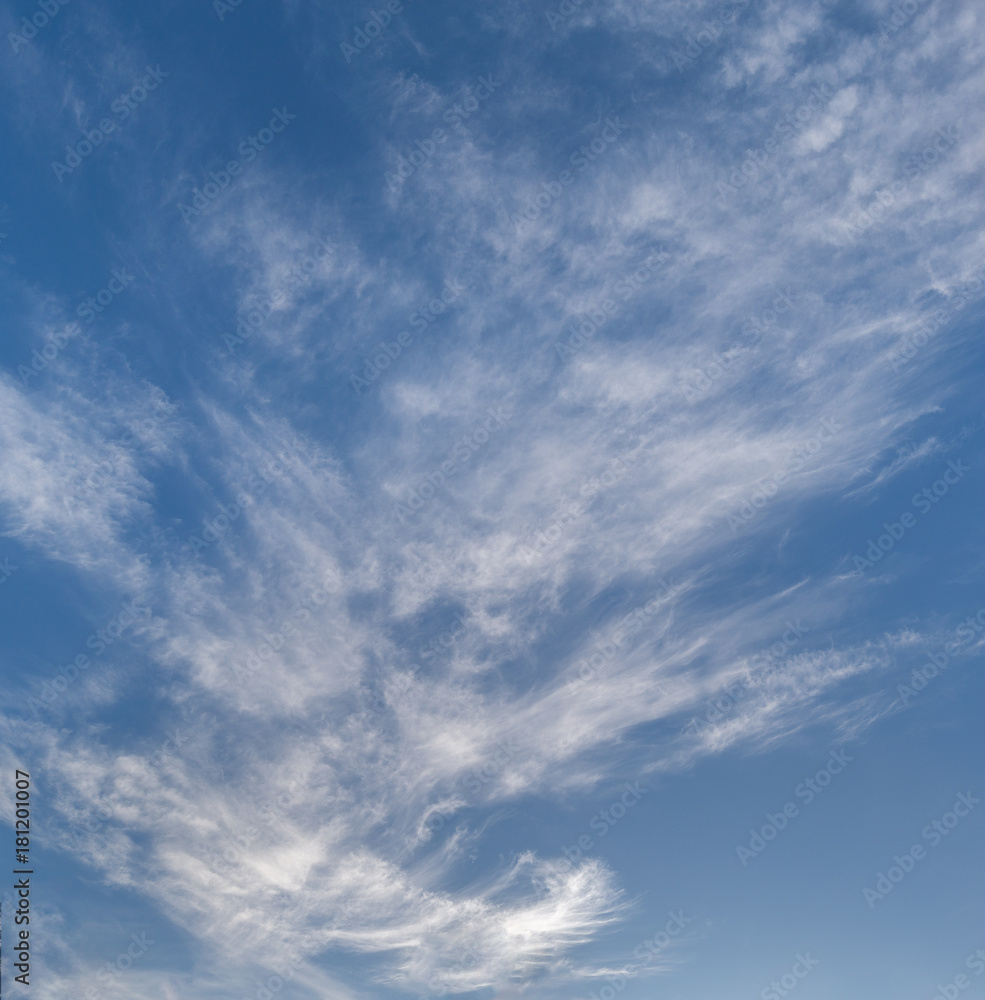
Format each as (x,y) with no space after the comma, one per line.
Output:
(491,497)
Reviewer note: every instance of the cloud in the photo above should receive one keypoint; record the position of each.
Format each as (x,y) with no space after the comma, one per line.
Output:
(343,759)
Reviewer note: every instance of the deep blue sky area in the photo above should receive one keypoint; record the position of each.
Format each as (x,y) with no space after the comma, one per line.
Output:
(491,499)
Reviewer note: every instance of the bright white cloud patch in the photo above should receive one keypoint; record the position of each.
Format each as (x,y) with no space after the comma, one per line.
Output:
(470,478)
